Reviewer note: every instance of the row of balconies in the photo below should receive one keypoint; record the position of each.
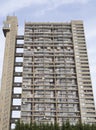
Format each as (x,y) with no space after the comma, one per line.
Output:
(42,79)
(49,45)
(64,42)
(46,53)
(64,32)
(46,60)
(51,111)
(44,68)
(43,50)
(44,63)
(46,74)
(48,84)
(52,37)
(50,89)
(48,116)
(49,50)
(44,47)
(49,74)
(59,94)
(46,26)
(59,98)
(42,26)
(48,34)
(43,101)
(51,66)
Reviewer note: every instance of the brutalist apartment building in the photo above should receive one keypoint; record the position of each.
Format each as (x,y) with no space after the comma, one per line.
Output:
(46,75)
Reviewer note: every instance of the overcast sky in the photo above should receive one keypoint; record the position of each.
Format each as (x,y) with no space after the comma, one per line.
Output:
(54,11)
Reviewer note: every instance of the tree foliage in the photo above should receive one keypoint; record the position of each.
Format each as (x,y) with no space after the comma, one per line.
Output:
(55,126)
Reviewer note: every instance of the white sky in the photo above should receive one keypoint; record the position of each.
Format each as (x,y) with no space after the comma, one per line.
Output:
(54,11)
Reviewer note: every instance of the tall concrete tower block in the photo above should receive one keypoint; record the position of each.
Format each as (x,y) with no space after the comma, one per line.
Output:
(46,76)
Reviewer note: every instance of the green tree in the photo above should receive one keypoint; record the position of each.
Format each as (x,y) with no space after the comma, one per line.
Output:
(35,126)
(79,126)
(27,127)
(56,126)
(51,126)
(31,126)
(67,125)
(22,126)
(17,127)
(93,127)
(63,127)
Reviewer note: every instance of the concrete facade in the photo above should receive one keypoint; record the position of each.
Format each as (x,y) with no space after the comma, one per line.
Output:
(46,76)
(10,32)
